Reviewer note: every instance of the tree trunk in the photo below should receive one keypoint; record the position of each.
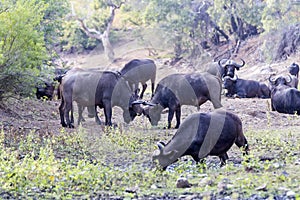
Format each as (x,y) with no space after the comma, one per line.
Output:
(108,49)
(104,37)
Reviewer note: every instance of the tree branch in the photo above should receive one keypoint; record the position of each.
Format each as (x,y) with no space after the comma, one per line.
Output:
(93,33)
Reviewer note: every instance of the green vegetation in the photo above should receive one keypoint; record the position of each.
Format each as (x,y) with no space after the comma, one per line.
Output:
(117,162)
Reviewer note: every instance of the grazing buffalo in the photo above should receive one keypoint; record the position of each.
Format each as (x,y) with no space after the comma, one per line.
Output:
(284,99)
(203,134)
(245,88)
(224,67)
(104,89)
(176,90)
(45,89)
(294,73)
(139,71)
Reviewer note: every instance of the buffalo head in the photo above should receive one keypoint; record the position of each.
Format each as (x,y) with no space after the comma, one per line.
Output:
(151,111)
(228,82)
(135,108)
(164,158)
(230,66)
(279,80)
(294,69)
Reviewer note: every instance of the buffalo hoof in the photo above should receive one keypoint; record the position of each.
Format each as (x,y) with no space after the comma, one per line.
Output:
(63,124)
(71,126)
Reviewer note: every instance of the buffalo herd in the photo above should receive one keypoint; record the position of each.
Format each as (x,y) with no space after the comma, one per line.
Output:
(200,134)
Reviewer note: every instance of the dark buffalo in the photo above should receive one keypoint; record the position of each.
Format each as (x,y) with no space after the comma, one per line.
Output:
(225,67)
(245,88)
(284,98)
(140,71)
(176,90)
(45,89)
(294,73)
(94,88)
(203,134)
(294,69)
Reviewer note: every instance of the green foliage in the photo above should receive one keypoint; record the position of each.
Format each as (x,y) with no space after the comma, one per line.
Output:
(22,47)
(175,19)
(52,23)
(84,164)
(278,14)
(75,40)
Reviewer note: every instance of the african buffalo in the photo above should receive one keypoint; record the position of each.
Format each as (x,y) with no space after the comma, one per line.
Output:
(104,89)
(294,73)
(139,71)
(45,89)
(294,69)
(203,134)
(284,98)
(176,90)
(224,67)
(245,88)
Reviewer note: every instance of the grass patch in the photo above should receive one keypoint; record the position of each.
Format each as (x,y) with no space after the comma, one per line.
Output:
(117,163)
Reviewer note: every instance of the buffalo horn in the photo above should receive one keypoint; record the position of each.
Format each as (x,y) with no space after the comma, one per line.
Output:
(221,61)
(272,79)
(160,147)
(139,101)
(290,79)
(142,102)
(238,65)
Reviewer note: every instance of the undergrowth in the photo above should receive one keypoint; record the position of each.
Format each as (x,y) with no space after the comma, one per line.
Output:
(117,163)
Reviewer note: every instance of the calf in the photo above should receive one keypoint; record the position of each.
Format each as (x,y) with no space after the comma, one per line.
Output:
(245,88)
(203,134)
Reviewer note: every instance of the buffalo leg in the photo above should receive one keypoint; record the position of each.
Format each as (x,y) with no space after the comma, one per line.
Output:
(223,159)
(152,89)
(143,90)
(72,115)
(178,114)
(170,117)
(61,113)
(107,113)
(97,119)
(80,110)
(68,108)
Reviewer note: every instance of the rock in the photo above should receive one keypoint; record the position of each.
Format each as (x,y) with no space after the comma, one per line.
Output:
(223,186)
(154,186)
(206,181)
(291,194)
(262,188)
(183,183)
(131,190)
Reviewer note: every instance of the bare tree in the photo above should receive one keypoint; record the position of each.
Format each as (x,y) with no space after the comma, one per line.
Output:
(102,35)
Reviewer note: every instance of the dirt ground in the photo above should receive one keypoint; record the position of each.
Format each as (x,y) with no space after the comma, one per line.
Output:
(43,116)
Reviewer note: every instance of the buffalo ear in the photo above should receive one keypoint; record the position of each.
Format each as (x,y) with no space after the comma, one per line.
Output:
(237,68)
